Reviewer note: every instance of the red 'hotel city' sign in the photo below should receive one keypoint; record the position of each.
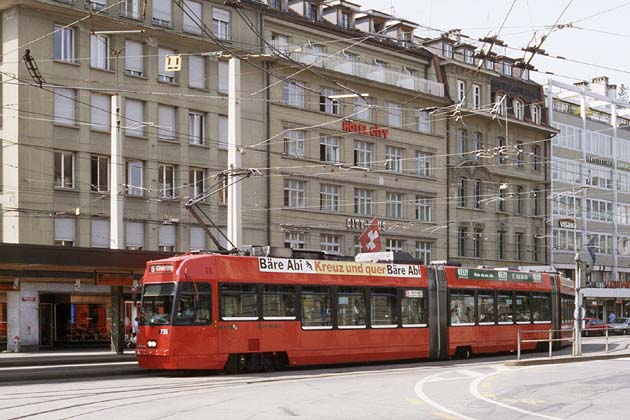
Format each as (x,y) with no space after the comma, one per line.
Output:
(359,128)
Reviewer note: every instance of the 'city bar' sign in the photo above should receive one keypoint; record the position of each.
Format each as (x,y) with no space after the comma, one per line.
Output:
(373,131)
(361,224)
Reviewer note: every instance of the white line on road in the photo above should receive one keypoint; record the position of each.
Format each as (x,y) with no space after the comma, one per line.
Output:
(424,397)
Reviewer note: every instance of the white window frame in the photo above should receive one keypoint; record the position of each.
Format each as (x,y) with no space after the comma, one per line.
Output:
(167,117)
(293,93)
(330,149)
(394,205)
(295,240)
(327,105)
(476,96)
(95,167)
(294,143)
(394,159)
(424,206)
(60,158)
(134,58)
(424,164)
(64,44)
(363,201)
(536,114)
(196,128)
(363,151)
(461,91)
(99,52)
(135,172)
(196,179)
(469,56)
(425,121)
(329,197)
(447,50)
(221,23)
(519,109)
(330,242)
(423,251)
(394,114)
(164,178)
(294,194)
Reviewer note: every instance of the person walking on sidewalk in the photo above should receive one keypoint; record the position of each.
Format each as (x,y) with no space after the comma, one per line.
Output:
(134,332)
(611,318)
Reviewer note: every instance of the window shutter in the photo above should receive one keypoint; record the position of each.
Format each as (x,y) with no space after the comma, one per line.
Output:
(166,122)
(64,229)
(100,112)
(223,132)
(134,115)
(162,53)
(166,235)
(133,56)
(223,77)
(192,23)
(134,234)
(64,106)
(196,72)
(100,233)
(220,14)
(162,10)
(197,238)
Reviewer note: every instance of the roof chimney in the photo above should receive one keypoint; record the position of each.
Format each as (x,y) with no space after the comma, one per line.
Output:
(600,85)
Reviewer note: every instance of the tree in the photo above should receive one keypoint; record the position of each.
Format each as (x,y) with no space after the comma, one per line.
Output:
(622,94)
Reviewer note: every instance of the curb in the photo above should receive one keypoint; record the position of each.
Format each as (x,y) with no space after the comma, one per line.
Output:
(64,360)
(566,359)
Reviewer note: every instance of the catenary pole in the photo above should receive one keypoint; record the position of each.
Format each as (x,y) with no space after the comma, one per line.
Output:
(116,210)
(235,231)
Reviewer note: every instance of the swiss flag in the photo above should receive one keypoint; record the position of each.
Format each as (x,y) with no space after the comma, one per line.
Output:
(370,239)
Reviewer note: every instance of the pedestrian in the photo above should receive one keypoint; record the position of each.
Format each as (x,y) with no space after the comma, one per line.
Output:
(134,333)
(611,318)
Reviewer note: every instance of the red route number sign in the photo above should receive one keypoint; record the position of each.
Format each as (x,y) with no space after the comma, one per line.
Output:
(370,239)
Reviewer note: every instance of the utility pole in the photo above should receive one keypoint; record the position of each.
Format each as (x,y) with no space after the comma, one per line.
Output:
(116,210)
(234,222)
(580,274)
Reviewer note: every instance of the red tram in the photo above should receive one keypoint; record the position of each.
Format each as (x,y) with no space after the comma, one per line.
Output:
(211,311)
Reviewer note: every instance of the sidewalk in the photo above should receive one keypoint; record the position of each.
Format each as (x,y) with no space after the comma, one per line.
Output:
(593,348)
(64,357)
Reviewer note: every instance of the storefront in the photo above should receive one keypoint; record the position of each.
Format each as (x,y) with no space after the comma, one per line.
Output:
(3,320)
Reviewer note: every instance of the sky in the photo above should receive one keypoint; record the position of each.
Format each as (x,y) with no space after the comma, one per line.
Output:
(601,40)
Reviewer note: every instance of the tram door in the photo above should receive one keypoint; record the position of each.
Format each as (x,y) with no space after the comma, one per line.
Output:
(46,330)
(438,313)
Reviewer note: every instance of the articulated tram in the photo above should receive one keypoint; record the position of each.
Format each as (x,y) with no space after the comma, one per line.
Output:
(212,311)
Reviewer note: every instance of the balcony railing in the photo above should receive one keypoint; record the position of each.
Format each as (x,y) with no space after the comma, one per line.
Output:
(395,77)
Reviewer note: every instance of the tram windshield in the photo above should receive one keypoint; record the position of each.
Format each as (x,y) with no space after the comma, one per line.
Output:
(157,303)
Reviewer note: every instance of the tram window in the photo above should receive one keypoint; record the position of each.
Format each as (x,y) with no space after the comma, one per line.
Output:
(541,307)
(278,302)
(383,308)
(485,304)
(316,304)
(157,303)
(413,308)
(462,308)
(505,307)
(523,310)
(193,307)
(567,305)
(239,302)
(351,307)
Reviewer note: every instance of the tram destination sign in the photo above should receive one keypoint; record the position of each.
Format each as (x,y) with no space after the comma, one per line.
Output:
(474,274)
(344,268)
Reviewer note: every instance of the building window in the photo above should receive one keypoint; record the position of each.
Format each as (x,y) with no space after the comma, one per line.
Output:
(294,143)
(196,72)
(501,245)
(519,200)
(130,9)
(64,106)
(518,244)
(394,245)
(461,91)
(281,43)
(501,200)
(293,94)
(362,109)
(461,192)
(192,17)
(425,122)
(134,235)
(329,149)
(362,154)
(100,233)
(99,166)
(423,209)
(221,23)
(311,11)
(489,65)
(166,181)
(64,170)
(536,114)
(166,122)
(329,197)
(462,233)
(501,104)
(394,114)
(197,183)
(99,52)
(294,193)
(536,250)
(423,251)
(64,44)
(223,132)
(345,20)
(476,145)
(197,238)
(536,199)
(223,78)
(363,202)
(100,112)
(478,243)
(423,163)
(469,57)
(462,140)
(162,13)
(295,240)
(135,178)
(447,50)
(394,159)
(167,238)
(164,75)
(477,193)
(223,192)
(330,243)
(507,68)
(393,205)
(520,162)
(134,117)
(536,157)
(476,96)
(519,109)
(196,128)
(64,231)
(500,151)
(134,58)
(330,106)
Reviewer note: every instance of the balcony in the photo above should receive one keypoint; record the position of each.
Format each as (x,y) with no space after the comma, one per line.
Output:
(394,77)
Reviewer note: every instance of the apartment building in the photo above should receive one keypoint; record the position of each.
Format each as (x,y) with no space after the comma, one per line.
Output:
(497,138)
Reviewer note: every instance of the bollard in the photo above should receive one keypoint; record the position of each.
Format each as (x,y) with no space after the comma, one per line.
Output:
(16,344)
(518,345)
(550,341)
(606,339)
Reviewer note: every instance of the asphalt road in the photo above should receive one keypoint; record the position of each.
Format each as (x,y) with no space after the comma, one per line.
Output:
(475,389)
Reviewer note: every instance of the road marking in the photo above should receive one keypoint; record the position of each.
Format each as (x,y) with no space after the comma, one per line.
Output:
(473,388)
(424,397)
(414,401)
(446,416)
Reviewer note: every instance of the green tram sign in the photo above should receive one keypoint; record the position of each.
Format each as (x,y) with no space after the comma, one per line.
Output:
(474,274)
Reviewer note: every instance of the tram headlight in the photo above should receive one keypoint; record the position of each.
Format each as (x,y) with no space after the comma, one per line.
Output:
(151,344)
